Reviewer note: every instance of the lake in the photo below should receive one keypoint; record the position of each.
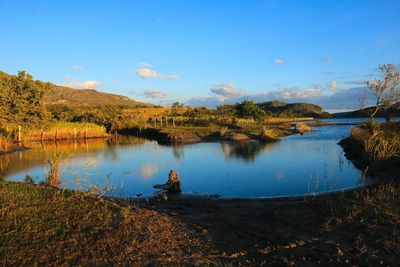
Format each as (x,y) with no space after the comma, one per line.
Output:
(297,165)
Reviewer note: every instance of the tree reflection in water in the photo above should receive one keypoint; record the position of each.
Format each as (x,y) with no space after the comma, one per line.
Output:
(40,152)
(246,151)
(178,152)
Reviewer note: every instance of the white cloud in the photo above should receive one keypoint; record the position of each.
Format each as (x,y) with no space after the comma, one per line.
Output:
(287,94)
(332,85)
(147,73)
(345,99)
(78,68)
(172,77)
(278,61)
(154,93)
(143,65)
(84,85)
(296,93)
(225,90)
(76,84)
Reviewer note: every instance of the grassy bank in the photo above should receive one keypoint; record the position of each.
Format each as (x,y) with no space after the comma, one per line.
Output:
(58,131)
(377,149)
(40,225)
(66,131)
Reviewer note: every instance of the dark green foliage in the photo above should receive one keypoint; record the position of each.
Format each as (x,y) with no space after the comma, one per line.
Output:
(177,105)
(21,101)
(293,110)
(249,110)
(226,110)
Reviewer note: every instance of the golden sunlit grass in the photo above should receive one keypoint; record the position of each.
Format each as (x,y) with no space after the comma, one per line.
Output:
(269,134)
(54,166)
(68,130)
(381,144)
(302,128)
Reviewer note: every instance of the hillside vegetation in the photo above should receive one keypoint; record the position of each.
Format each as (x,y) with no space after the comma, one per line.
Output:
(60,95)
(65,96)
(281,109)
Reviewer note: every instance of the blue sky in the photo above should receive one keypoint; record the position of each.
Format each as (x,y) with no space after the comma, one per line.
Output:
(204,52)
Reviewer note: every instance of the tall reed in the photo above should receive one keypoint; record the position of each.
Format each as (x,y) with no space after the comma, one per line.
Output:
(54,166)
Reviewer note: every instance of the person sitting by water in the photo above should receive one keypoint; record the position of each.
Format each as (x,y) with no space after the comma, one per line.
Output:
(173,185)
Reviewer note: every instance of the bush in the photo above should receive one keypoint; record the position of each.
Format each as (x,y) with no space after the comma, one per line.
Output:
(381,144)
(303,128)
(380,147)
(249,110)
(268,135)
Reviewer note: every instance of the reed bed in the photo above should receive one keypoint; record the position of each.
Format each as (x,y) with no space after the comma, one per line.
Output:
(303,128)
(287,120)
(67,130)
(380,144)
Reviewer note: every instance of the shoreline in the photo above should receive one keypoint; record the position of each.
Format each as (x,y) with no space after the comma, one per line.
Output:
(325,229)
(203,231)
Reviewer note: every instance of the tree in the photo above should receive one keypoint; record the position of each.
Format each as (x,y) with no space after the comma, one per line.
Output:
(177,105)
(386,90)
(21,101)
(226,110)
(249,110)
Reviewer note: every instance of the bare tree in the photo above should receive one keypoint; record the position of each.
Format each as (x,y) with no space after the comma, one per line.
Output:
(386,90)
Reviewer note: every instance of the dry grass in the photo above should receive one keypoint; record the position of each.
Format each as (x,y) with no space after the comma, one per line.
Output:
(373,216)
(222,131)
(68,130)
(287,120)
(303,128)
(269,135)
(381,144)
(42,226)
(380,147)
(54,166)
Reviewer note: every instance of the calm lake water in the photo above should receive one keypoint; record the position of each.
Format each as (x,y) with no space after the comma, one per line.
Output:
(296,165)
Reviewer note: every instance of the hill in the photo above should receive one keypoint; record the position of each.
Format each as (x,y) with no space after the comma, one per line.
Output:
(65,96)
(60,95)
(279,108)
(393,111)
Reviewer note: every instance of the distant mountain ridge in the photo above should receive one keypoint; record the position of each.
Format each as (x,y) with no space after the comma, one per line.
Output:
(65,96)
(294,109)
(393,111)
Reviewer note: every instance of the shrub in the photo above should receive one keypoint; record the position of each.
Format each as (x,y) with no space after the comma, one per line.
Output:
(303,128)
(249,110)
(222,131)
(380,147)
(268,135)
